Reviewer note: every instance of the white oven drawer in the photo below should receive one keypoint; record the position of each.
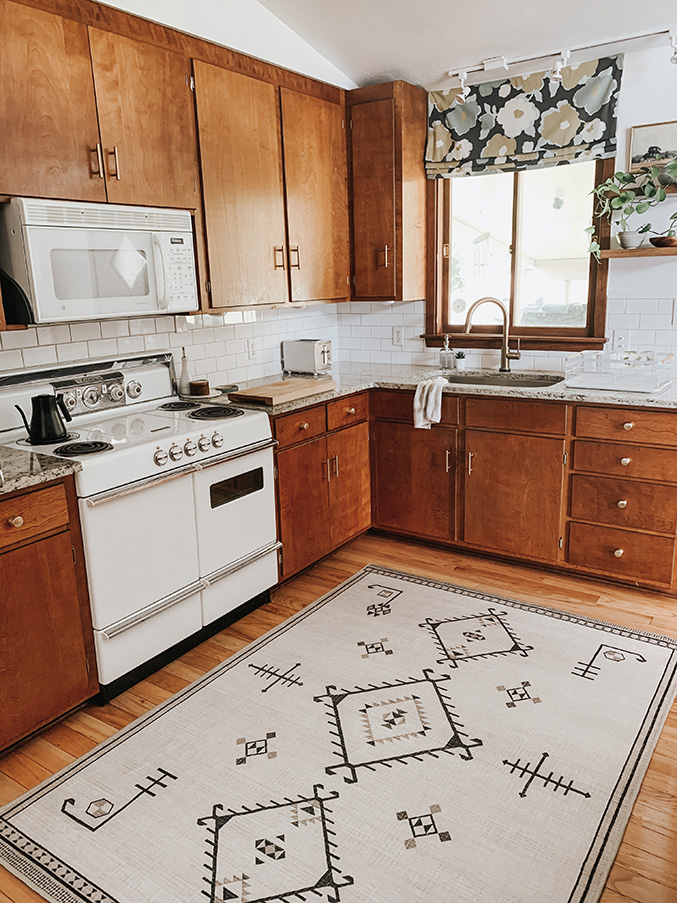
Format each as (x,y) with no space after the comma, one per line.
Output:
(234,509)
(240,585)
(132,646)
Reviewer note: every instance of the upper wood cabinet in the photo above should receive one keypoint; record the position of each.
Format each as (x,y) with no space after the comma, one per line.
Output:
(241,157)
(388,191)
(317,198)
(47,109)
(147,122)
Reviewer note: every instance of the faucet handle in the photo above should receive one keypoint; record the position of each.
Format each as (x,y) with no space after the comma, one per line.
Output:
(514,355)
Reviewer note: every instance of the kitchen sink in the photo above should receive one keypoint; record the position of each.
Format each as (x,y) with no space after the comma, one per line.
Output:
(517,380)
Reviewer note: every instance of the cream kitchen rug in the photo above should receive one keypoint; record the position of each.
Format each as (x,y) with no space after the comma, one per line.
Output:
(401,740)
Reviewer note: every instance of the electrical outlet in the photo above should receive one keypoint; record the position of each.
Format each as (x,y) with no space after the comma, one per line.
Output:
(621,339)
(252,349)
(397,335)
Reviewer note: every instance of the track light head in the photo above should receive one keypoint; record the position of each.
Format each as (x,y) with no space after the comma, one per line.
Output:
(673,45)
(556,71)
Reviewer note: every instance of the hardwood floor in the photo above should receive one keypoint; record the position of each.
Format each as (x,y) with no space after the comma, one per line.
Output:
(645,870)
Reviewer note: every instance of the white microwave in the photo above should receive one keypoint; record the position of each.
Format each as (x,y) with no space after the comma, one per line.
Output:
(76,261)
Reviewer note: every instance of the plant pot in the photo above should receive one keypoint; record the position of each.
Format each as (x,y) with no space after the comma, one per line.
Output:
(459,363)
(663,241)
(630,240)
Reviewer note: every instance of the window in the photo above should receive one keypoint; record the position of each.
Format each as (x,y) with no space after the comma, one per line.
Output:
(519,237)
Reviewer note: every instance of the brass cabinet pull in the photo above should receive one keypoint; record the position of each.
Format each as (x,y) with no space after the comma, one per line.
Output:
(386,249)
(471,455)
(625,461)
(350,410)
(326,464)
(619,553)
(99,161)
(278,263)
(114,155)
(336,470)
(17,521)
(292,265)
(623,503)
(447,465)
(629,425)
(303,426)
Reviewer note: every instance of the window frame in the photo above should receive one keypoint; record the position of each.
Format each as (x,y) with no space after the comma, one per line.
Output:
(531,338)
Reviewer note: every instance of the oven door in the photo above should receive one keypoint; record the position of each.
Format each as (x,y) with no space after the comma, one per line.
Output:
(234,508)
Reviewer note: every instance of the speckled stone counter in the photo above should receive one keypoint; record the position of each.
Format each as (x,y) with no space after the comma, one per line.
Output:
(351,378)
(21,469)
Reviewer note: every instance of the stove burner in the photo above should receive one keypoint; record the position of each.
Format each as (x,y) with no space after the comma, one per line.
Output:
(67,438)
(215,412)
(76,449)
(178,406)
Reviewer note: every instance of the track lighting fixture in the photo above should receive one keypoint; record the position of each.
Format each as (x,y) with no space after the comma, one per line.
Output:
(556,71)
(465,90)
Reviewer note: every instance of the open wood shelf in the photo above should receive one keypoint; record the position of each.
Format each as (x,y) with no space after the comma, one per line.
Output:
(639,252)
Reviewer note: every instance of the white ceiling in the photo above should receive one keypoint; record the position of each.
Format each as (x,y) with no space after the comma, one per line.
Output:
(419,40)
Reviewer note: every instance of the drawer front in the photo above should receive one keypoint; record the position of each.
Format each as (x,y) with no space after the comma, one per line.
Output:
(626,461)
(32,514)
(346,411)
(625,425)
(396,405)
(644,557)
(624,503)
(301,425)
(517,416)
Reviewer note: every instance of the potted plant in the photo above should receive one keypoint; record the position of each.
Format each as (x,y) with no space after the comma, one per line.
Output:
(459,360)
(626,194)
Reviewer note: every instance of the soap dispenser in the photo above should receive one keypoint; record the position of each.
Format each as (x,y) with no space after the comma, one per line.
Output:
(446,355)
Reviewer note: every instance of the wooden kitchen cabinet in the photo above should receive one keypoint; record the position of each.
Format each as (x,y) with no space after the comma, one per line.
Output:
(47,107)
(388,191)
(47,664)
(349,483)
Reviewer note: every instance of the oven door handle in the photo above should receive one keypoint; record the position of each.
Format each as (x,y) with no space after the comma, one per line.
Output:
(236,453)
(144,614)
(147,483)
(240,563)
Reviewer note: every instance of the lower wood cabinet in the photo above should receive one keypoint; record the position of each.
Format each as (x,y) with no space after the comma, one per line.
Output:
(46,645)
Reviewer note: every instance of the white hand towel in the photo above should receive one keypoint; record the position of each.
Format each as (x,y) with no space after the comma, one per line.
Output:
(428,402)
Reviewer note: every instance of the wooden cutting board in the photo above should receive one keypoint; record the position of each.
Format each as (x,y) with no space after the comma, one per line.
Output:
(283,391)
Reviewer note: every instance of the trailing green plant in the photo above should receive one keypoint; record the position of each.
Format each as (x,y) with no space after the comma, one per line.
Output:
(671,231)
(628,193)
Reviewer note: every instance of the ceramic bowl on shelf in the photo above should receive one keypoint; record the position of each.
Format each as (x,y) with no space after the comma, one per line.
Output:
(663,241)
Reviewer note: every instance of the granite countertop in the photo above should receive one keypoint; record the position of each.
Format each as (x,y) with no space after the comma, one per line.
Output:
(21,469)
(351,377)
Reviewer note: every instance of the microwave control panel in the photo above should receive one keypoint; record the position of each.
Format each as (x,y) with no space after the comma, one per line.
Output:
(181,286)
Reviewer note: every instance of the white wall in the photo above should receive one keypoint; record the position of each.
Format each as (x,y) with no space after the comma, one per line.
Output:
(242,25)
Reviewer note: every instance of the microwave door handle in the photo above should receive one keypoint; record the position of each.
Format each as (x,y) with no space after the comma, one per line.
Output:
(160,272)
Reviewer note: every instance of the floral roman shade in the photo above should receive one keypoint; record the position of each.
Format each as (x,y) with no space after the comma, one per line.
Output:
(525,121)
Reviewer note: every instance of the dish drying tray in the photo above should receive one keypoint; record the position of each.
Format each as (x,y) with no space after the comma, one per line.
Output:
(620,371)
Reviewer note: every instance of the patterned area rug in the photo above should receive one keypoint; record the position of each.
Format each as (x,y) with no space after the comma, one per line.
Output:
(399,740)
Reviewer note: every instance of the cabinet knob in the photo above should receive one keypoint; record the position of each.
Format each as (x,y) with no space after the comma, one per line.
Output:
(17,521)
(350,410)
(623,503)
(625,461)
(618,553)
(629,425)
(303,426)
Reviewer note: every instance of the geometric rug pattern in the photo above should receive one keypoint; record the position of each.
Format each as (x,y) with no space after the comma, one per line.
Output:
(401,739)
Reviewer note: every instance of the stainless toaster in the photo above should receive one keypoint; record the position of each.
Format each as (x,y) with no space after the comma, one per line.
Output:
(306,356)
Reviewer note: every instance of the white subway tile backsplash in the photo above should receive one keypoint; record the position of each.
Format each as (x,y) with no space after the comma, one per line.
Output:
(74,351)
(84,332)
(11,360)
(111,329)
(146,326)
(130,344)
(39,357)
(53,335)
(103,348)
(18,338)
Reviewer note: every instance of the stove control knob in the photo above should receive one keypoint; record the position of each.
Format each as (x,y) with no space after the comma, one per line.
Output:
(217,440)
(160,457)
(70,400)
(134,388)
(203,443)
(190,448)
(91,396)
(175,452)
(116,392)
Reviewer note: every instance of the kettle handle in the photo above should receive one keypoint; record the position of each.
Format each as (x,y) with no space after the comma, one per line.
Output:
(64,409)
(23,417)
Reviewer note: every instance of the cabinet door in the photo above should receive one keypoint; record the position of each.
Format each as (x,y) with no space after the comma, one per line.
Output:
(47,109)
(415,479)
(513,493)
(43,665)
(304,504)
(349,486)
(241,158)
(317,198)
(372,136)
(147,121)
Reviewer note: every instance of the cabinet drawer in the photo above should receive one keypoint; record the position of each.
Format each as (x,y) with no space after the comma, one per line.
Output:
(346,411)
(626,460)
(32,514)
(645,557)
(518,416)
(397,405)
(623,424)
(301,425)
(642,506)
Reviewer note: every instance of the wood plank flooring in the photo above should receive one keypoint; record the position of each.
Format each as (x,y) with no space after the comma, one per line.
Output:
(645,870)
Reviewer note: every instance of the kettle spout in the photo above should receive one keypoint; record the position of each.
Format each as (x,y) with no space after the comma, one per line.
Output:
(23,417)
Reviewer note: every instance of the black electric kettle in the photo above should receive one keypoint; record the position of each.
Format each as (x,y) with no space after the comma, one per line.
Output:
(46,421)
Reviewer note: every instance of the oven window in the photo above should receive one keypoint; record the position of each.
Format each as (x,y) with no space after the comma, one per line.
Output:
(236,487)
